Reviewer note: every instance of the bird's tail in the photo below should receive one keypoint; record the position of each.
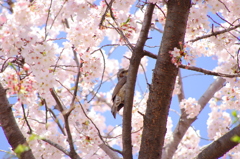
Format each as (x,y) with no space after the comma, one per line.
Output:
(116,103)
(114,111)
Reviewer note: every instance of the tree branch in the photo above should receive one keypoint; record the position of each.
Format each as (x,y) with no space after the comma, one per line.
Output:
(184,122)
(73,154)
(26,120)
(84,112)
(79,65)
(197,69)
(66,114)
(181,95)
(131,81)
(59,105)
(101,82)
(214,33)
(10,127)
(219,147)
(48,15)
(109,152)
(57,146)
(207,72)
(56,121)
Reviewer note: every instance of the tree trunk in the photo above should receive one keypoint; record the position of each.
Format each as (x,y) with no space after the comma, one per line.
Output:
(164,76)
(10,127)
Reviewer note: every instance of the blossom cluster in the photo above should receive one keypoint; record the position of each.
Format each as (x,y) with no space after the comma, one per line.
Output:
(190,106)
(189,146)
(62,47)
(218,122)
(178,54)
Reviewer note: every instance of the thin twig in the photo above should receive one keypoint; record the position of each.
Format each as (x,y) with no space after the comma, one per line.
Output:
(58,60)
(214,33)
(57,146)
(159,30)
(224,19)
(57,14)
(120,32)
(199,135)
(57,121)
(78,76)
(59,105)
(207,72)
(221,26)
(40,122)
(198,74)
(99,133)
(109,5)
(46,111)
(48,15)
(104,66)
(144,72)
(224,5)
(25,118)
(197,69)
(161,11)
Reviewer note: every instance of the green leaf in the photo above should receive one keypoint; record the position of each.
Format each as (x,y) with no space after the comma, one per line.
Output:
(124,23)
(10,64)
(20,149)
(235,138)
(234,113)
(34,137)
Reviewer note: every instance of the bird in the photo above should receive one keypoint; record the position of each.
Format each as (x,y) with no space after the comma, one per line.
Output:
(119,91)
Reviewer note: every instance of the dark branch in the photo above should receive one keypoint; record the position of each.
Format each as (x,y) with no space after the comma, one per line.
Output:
(219,147)
(57,146)
(197,69)
(207,72)
(214,33)
(10,127)
(26,120)
(131,81)
(184,122)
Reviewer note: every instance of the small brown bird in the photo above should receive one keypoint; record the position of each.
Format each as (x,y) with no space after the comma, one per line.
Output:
(119,91)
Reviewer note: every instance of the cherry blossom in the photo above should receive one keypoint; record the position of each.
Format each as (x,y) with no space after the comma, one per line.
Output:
(68,53)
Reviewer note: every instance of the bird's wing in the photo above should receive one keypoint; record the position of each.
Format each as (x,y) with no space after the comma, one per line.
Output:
(119,85)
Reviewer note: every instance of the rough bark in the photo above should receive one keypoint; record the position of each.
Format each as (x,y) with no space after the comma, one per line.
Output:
(163,81)
(219,147)
(10,127)
(131,81)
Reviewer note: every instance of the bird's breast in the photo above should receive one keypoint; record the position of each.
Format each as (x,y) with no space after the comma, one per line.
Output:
(121,92)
